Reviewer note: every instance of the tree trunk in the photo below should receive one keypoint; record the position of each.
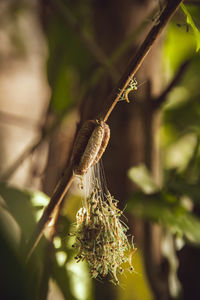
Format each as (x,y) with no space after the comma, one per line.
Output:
(133,126)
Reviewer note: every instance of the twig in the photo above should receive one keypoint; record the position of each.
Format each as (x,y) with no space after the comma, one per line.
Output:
(142,52)
(58,195)
(67,179)
(29,150)
(162,98)
(94,49)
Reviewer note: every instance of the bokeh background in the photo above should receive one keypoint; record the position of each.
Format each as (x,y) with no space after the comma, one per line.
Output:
(59,62)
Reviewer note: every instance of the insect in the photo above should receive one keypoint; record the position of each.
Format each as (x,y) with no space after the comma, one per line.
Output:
(132,86)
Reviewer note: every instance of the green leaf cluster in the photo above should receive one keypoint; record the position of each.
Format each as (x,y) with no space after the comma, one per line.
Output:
(19,212)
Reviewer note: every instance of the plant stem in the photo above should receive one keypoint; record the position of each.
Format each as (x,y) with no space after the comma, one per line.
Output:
(66,181)
(142,52)
(58,195)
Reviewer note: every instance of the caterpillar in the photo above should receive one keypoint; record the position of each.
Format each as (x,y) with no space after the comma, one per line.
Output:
(90,145)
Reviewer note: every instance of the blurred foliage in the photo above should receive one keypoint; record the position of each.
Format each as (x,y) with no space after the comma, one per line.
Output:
(17,214)
(183,102)
(69,61)
(192,24)
(175,204)
(140,175)
(172,204)
(20,209)
(169,206)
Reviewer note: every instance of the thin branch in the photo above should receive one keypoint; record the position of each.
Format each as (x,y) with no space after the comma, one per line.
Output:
(49,252)
(142,52)
(58,195)
(29,150)
(20,121)
(99,72)
(91,45)
(68,178)
(162,98)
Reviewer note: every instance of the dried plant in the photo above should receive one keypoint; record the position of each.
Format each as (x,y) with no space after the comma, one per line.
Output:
(100,235)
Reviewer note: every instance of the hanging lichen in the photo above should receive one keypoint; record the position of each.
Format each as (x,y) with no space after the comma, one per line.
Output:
(100,235)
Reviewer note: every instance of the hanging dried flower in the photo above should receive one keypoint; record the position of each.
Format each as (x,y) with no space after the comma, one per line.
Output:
(100,235)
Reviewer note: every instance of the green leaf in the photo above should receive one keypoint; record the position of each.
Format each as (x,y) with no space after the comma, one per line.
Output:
(177,41)
(191,23)
(25,206)
(141,176)
(9,226)
(180,186)
(18,213)
(20,207)
(13,279)
(171,214)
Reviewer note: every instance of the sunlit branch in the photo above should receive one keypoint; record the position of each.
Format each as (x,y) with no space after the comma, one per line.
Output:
(31,148)
(142,52)
(58,195)
(135,64)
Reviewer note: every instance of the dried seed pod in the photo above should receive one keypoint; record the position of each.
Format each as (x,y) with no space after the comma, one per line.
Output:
(104,143)
(90,145)
(82,139)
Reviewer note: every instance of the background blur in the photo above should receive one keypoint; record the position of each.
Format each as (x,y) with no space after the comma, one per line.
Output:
(59,61)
